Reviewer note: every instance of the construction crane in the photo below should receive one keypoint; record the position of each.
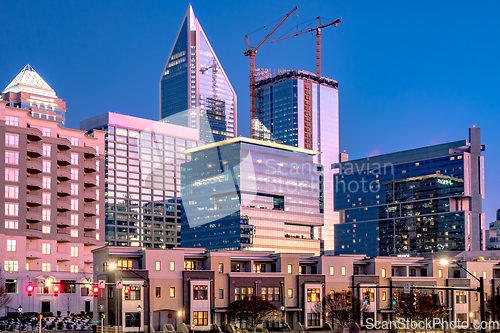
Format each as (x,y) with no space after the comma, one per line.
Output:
(250,52)
(318,39)
(213,67)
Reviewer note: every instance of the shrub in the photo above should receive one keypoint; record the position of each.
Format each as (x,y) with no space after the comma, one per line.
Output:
(58,313)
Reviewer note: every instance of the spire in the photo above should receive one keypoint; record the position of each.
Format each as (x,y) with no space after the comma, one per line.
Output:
(29,80)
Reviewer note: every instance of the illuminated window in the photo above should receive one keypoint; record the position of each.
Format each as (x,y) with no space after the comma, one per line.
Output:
(74,189)
(172,265)
(158,292)
(124,264)
(45,214)
(290,292)
(46,150)
(74,268)
(384,296)
(74,204)
(383,272)
(74,233)
(74,141)
(45,248)
(46,267)
(158,265)
(74,174)
(313,295)
(343,271)
(12,175)
(46,229)
(11,157)
(200,292)
(484,275)
(289,268)
(12,209)
(460,297)
(332,270)
(46,182)
(11,192)
(74,219)
(11,224)
(11,266)
(12,121)
(172,291)
(440,273)
(74,158)
(11,140)
(200,318)
(46,131)
(11,245)
(46,166)
(74,251)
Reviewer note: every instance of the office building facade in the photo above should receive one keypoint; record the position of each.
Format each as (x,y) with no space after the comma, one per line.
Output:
(143,182)
(54,211)
(424,200)
(493,239)
(300,109)
(251,195)
(194,89)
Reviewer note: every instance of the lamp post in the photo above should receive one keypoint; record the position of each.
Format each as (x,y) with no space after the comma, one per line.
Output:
(139,312)
(20,310)
(282,317)
(179,314)
(480,289)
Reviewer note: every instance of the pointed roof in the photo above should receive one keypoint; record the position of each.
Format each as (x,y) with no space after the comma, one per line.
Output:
(28,80)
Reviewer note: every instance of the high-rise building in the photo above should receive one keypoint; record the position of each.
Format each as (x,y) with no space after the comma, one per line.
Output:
(493,235)
(300,109)
(194,89)
(424,200)
(29,91)
(251,195)
(54,204)
(142,173)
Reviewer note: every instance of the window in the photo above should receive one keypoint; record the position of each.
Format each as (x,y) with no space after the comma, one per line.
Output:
(74,189)
(289,268)
(74,174)
(11,224)
(74,204)
(355,270)
(242,293)
(259,268)
(11,175)
(11,140)
(343,271)
(46,182)
(332,294)
(384,295)
(74,141)
(74,233)
(484,275)
(158,292)
(134,294)
(74,158)
(332,270)
(221,293)
(313,295)
(413,272)
(74,219)
(200,318)
(74,268)
(12,121)
(132,319)
(46,131)
(221,268)
(45,198)
(46,166)
(74,251)
(270,293)
(11,157)
(11,266)
(423,272)
(12,209)
(172,291)
(200,292)
(383,273)
(290,292)
(11,286)
(46,267)
(124,264)
(440,273)
(158,265)
(45,214)
(461,297)
(11,192)
(46,229)
(46,150)
(172,266)
(11,245)
(312,319)
(45,248)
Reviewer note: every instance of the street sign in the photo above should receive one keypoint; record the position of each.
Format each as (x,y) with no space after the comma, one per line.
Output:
(102,284)
(119,284)
(407,287)
(192,326)
(96,321)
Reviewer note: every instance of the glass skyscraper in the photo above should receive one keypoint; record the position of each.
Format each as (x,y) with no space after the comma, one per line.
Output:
(194,89)
(300,109)
(142,195)
(251,195)
(424,201)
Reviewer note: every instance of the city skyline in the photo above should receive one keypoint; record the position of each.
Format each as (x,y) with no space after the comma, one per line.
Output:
(438,58)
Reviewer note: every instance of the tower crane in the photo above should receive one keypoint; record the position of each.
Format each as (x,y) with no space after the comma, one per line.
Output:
(318,39)
(250,52)
(213,67)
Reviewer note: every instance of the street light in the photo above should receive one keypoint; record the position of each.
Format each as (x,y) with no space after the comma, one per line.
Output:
(480,289)
(139,311)
(282,319)
(20,310)
(179,314)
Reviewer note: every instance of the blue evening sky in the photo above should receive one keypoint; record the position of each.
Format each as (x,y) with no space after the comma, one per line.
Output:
(410,73)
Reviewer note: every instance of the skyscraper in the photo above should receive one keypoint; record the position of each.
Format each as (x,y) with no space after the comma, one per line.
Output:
(300,109)
(194,89)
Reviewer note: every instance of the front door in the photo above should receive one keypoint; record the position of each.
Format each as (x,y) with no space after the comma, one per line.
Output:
(45,306)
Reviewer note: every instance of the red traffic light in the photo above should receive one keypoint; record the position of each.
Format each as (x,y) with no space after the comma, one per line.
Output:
(29,289)
(56,290)
(95,291)
(126,290)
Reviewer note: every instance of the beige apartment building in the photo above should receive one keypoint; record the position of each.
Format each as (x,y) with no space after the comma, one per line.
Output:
(54,200)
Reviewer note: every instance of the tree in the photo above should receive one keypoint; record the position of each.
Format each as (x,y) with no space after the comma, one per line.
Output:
(493,305)
(338,312)
(253,311)
(427,308)
(5,298)
(68,304)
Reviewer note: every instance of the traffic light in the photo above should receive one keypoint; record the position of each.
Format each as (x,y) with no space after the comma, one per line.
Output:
(395,298)
(416,301)
(349,299)
(367,295)
(95,291)
(56,290)
(126,291)
(29,288)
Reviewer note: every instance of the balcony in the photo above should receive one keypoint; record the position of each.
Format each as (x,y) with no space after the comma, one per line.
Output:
(88,258)
(89,166)
(89,240)
(63,221)
(34,134)
(89,226)
(33,200)
(63,236)
(89,211)
(34,167)
(33,183)
(33,216)
(89,196)
(89,152)
(89,181)
(63,174)
(33,150)
(63,190)
(33,231)
(33,254)
(63,144)
(63,256)
(63,205)
(63,159)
